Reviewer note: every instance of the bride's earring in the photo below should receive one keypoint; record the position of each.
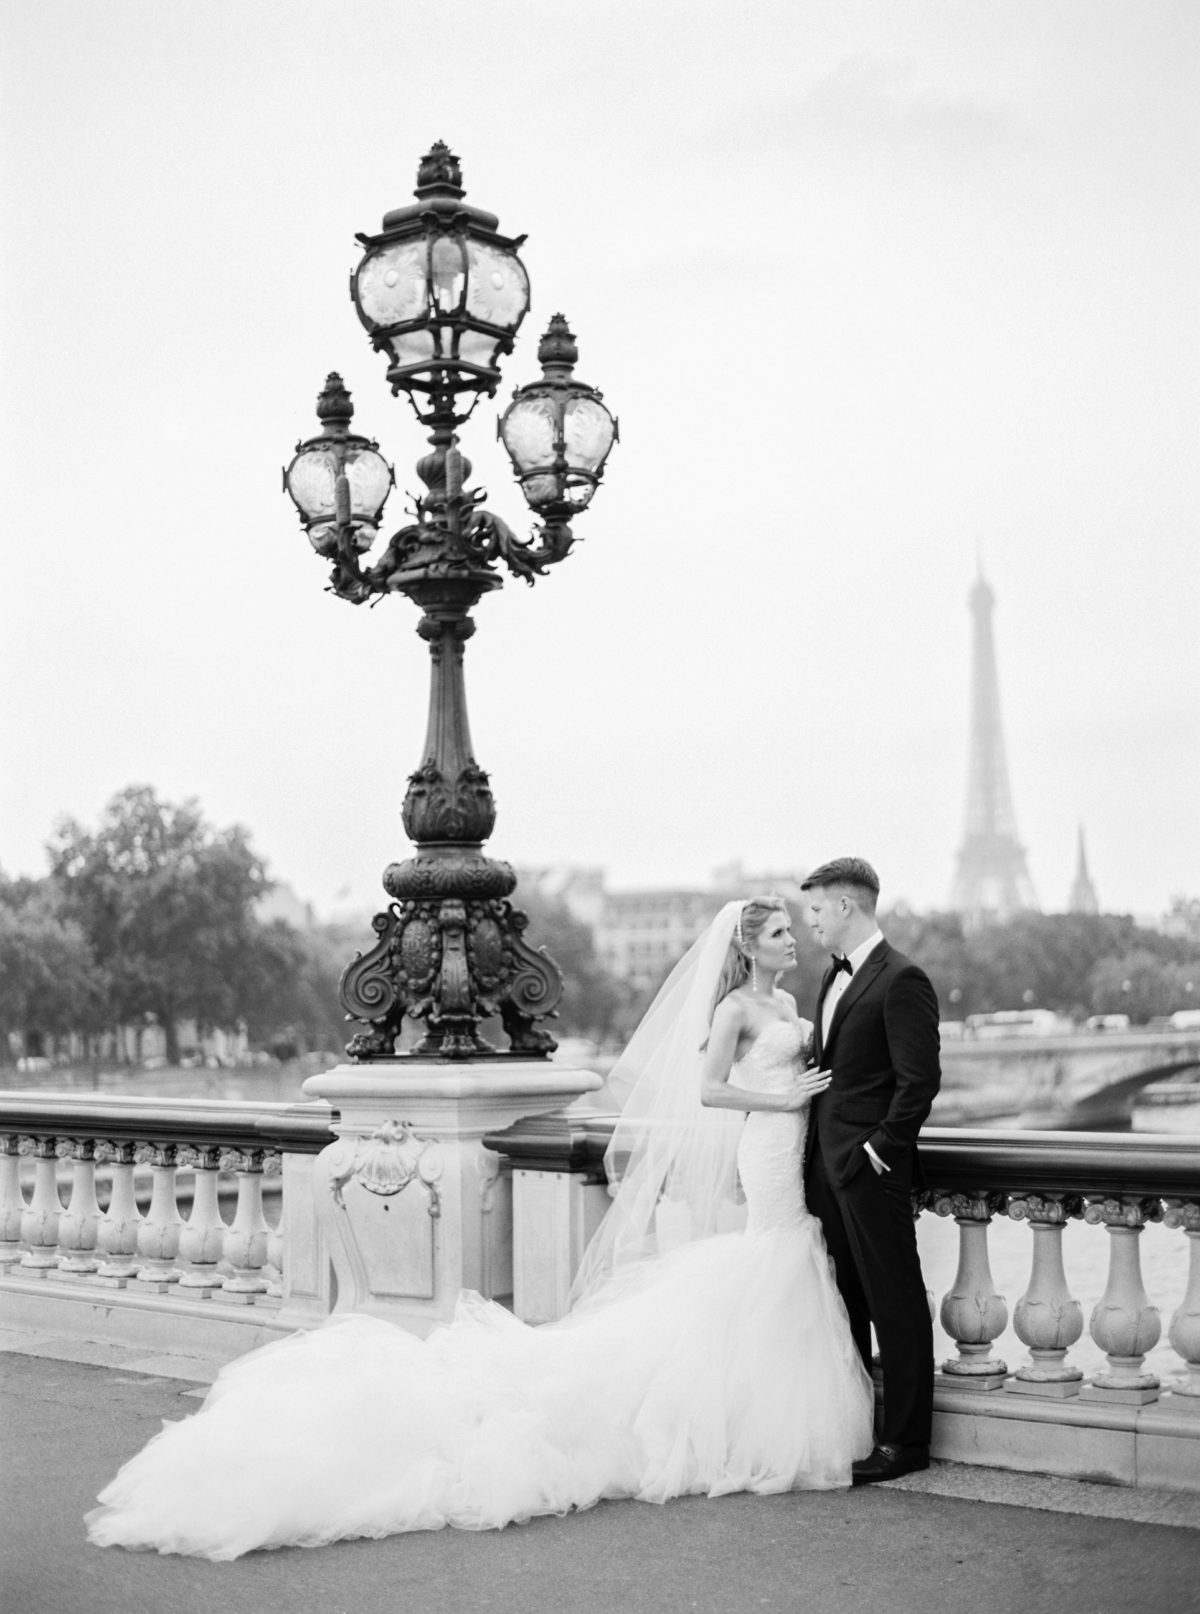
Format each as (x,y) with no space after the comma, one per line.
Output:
(753,974)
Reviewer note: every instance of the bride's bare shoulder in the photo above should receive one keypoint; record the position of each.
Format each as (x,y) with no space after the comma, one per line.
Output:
(787,1003)
(730,1011)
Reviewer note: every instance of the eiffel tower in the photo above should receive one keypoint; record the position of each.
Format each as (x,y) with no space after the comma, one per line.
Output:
(992,880)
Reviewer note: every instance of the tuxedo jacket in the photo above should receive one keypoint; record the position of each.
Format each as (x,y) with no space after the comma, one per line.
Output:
(884,1052)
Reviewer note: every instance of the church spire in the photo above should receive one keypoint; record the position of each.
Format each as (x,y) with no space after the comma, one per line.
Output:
(1083,897)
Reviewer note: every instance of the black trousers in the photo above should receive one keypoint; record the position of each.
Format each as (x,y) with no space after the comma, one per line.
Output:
(872,1241)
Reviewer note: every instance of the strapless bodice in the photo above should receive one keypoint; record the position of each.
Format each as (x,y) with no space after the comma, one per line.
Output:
(771,1149)
(770,1061)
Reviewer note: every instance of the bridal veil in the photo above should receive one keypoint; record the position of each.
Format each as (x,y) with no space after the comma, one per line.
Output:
(672,1163)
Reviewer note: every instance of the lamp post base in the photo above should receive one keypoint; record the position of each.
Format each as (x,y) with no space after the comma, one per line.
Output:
(450,961)
(413,1208)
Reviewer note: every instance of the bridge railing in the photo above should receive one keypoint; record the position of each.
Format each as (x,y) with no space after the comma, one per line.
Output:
(1046,1179)
(54,1227)
(1043,1179)
(198,1154)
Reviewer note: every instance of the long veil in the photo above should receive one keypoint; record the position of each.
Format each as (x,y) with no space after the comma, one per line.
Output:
(672,1162)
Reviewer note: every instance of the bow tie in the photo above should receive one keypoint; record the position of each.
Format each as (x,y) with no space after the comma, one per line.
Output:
(840,964)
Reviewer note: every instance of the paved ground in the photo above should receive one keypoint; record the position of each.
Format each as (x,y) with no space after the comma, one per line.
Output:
(954,1541)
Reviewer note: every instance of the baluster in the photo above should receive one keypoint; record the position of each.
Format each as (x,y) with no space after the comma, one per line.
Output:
(273,1167)
(1124,1324)
(118,1233)
(1048,1318)
(246,1237)
(159,1233)
(1184,1329)
(973,1314)
(202,1241)
(79,1224)
(39,1223)
(12,1202)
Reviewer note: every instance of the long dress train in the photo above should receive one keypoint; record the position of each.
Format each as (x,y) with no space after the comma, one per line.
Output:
(723,1365)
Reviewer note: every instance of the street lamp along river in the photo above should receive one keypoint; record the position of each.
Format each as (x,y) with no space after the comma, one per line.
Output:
(443,295)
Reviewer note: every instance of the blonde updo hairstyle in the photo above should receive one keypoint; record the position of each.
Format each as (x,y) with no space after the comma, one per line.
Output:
(754,915)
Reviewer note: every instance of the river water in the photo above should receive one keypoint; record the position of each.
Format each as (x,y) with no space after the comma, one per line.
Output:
(1085,1249)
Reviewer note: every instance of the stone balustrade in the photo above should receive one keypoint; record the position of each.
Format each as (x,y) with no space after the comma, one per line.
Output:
(93,1195)
(1045,1179)
(197,1155)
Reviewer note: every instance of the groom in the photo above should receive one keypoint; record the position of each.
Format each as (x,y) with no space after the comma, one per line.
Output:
(876,1029)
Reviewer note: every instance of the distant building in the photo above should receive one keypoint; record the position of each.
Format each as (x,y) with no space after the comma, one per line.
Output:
(642,933)
(639,935)
(580,890)
(1182,919)
(281,902)
(1083,893)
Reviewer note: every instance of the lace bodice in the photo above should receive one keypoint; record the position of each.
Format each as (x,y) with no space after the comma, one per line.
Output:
(770,1061)
(771,1150)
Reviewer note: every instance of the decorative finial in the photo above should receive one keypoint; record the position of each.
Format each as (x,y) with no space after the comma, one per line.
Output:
(333,405)
(557,347)
(440,173)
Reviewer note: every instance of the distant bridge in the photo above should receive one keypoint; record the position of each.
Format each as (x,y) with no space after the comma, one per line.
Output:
(1080,1082)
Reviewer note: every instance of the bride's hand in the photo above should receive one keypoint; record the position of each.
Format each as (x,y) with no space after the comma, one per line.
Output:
(806,1086)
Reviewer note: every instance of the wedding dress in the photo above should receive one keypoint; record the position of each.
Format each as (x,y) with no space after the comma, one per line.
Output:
(723,1364)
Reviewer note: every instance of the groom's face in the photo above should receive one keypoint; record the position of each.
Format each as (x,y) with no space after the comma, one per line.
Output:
(829,914)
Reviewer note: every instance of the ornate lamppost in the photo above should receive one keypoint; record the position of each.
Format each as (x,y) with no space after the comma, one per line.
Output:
(443,295)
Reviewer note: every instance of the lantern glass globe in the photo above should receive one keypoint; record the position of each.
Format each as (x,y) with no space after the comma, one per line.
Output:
(313,475)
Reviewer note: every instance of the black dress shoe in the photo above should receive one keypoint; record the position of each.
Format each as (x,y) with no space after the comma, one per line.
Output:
(888,1463)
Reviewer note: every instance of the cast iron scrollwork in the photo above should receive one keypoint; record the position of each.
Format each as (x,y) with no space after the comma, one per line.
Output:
(450,535)
(372,990)
(534,991)
(451,963)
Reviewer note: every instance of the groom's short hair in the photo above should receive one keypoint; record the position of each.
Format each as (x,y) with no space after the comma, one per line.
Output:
(853,872)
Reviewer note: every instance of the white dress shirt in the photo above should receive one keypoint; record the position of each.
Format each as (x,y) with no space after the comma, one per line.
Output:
(834,996)
(841,981)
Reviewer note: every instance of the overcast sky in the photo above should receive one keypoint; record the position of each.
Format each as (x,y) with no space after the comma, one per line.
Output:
(873,288)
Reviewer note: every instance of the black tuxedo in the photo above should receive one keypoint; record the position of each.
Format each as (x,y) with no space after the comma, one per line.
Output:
(883,1049)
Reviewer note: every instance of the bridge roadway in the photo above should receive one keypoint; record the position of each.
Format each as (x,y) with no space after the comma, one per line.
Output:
(956,1538)
(1081,1082)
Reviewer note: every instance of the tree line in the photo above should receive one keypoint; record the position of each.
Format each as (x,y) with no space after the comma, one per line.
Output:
(153,916)
(1076,964)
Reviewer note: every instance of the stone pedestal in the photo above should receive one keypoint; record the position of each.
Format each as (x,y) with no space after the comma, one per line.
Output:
(412,1207)
(555,1214)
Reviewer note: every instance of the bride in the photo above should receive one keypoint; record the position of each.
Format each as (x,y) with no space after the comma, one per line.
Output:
(695,1358)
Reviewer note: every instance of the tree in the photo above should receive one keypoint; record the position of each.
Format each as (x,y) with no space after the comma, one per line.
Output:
(1042,959)
(1143,985)
(167,905)
(50,982)
(291,1004)
(937,942)
(594,1003)
(1053,961)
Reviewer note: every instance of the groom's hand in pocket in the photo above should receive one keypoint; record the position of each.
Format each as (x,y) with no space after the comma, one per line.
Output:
(877,1164)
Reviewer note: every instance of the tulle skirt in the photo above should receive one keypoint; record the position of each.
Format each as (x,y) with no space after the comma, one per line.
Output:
(725,1365)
